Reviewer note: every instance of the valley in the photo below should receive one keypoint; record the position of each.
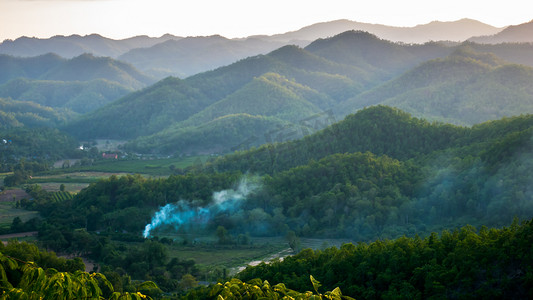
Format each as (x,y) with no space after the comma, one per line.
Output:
(385,162)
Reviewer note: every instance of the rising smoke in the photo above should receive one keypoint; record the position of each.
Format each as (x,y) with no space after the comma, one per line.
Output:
(182,214)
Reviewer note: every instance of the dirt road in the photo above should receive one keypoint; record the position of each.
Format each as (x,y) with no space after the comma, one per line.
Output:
(6,237)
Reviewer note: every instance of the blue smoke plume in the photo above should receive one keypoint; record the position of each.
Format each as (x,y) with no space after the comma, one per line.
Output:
(181,213)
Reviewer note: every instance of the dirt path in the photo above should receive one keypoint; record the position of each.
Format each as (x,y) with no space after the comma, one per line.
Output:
(5,237)
(281,255)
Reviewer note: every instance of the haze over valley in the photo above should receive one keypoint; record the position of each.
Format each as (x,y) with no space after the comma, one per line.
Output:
(341,160)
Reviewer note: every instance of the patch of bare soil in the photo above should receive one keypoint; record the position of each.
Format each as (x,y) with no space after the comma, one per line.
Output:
(5,237)
(16,194)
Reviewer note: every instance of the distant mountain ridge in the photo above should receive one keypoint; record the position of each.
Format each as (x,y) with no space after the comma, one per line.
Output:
(75,45)
(458,31)
(466,88)
(192,55)
(81,68)
(522,33)
(81,84)
(169,55)
(289,84)
(78,96)
(267,95)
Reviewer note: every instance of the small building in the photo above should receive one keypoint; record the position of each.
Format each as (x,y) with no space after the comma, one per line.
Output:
(109,155)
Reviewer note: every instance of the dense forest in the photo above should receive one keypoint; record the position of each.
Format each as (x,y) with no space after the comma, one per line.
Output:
(343,139)
(28,273)
(42,144)
(380,173)
(460,264)
(485,86)
(77,96)
(377,175)
(15,113)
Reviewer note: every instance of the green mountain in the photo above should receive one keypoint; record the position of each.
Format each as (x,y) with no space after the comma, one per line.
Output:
(344,73)
(192,55)
(465,88)
(463,263)
(239,87)
(267,102)
(78,96)
(380,129)
(224,134)
(306,83)
(15,113)
(368,52)
(34,144)
(379,171)
(143,112)
(29,67)
(289,61)
(85,67)
(88,67)
(518,53)
(377,175)
(268,95)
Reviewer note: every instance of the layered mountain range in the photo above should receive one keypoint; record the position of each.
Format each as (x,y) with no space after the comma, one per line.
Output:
(182,57)
(281,95)
(337,76)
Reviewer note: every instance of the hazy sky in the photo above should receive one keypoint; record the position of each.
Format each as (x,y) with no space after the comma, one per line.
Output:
(236,18)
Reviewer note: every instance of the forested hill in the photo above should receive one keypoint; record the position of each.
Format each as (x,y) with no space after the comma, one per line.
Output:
(98,67)
(53,67)
(308,75)
(463,85)
(458,264)
(80,84)
(31,143)
(155,107)
(467,87)
(272,100)
(192,55)
(377,174)
(368,52)
(379,129)
(230,132)
(143,112)
(30,67)
(78,96)
(15,113)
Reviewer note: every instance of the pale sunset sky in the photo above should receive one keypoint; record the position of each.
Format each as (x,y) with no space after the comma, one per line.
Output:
(235,18)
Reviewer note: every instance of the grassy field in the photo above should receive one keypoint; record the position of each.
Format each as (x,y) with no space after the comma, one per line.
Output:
(154,167)
(219,256)
(8,212)
(69,187)
(210,256)
(74,182)
(77,178)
